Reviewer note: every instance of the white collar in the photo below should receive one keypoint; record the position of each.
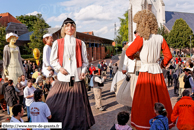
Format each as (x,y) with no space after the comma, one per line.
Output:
(13,119)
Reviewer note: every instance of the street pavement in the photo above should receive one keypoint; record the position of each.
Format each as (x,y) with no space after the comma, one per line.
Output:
(104,120)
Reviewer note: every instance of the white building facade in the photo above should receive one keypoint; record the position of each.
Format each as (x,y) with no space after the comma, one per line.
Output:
(156,6)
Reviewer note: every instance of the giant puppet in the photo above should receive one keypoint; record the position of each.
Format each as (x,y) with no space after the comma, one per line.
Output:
(46,66)
(67,99)
(12,62)
(150,87)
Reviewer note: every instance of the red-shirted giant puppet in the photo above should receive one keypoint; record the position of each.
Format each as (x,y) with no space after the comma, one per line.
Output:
(150,87)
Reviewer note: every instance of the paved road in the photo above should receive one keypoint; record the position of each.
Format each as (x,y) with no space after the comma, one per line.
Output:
(104,119)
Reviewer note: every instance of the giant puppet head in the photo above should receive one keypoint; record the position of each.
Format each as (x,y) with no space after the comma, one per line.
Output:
(146,23)
(68,22)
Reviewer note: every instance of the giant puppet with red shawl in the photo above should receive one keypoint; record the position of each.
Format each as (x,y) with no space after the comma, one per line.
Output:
(67,99)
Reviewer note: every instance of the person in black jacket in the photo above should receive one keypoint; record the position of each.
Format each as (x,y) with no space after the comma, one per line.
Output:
(10,96)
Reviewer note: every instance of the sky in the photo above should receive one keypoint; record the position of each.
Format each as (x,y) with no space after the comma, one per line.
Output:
(98,16)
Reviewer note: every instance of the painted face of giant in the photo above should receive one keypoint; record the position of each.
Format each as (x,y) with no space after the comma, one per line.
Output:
(69,29)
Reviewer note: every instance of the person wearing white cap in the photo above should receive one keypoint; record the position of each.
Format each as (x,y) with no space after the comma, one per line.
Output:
(46,67)
(12,62)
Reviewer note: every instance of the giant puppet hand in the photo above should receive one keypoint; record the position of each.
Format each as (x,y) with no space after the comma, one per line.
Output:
(63,71)
(6,72)
(82,76)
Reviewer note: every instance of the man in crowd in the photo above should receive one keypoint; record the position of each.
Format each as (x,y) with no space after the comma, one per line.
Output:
(35,74)
(183,110)
(29,96)
(10,96)
(189,84)
(91,69)
(39,111)
(178,71)
(99,68)
(18,112)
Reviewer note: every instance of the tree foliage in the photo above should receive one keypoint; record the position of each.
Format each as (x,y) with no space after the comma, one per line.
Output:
(118,39)
(2,40)
(36,37)
(162,31)
(179,36)
(30,21)
(123,30)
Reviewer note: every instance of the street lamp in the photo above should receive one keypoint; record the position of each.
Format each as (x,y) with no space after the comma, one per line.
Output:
(190,45)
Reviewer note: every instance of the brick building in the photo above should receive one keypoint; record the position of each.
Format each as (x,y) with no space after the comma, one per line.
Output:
(95,45)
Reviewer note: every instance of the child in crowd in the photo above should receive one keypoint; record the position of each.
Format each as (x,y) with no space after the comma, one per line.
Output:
(97,89)
(122,118)
(160,122)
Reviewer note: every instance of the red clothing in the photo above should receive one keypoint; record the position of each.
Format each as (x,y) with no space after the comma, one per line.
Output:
(150,88)
(91,69)
(184,111)
(78,51)
(177,60)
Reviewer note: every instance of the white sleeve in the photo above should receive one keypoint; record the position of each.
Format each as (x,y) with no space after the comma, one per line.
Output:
(84,58)
(46,56)
(191,82)
(25,93)
(47,111)
(97,79)
(54,57)
(125,64)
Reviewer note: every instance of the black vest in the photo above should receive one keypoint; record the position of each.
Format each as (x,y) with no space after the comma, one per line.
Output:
(187,83)
(96,84)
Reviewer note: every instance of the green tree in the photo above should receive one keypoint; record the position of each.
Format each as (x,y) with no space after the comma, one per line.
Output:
(36,37)
(123,30)
(29,21)
(118,39)
(2,40)
(179,36)
(162,31)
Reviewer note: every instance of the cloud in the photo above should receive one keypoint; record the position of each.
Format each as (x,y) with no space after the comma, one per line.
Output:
(93,12)
(179,5)
(57,26)
(93,15)
(59,18)
(103,30)
(34,13)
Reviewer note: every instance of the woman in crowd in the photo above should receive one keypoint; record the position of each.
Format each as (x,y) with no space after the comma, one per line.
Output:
(20,87)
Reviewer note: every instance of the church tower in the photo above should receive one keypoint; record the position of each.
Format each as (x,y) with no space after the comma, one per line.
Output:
(156,6)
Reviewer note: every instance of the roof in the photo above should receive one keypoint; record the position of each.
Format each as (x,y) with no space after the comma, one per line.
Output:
(53,30)
(90,33)
(172,16)
(6,18)
(25,37)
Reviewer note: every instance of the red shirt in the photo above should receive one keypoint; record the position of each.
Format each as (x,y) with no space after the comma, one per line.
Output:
(91,69)
(184,111)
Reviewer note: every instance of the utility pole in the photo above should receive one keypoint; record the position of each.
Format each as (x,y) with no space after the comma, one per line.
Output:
(190,45)
(115,36)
